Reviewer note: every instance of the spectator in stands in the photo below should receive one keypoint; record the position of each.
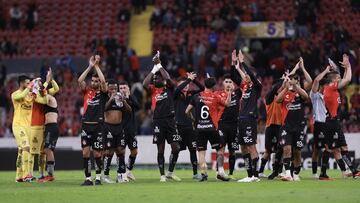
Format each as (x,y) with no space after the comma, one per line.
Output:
(198,52)
(3,74)
(155,18)
(2,19)
(168,19)
(31,17)
(213,40)
(217,23)
(124,14)
(137,4)
(355,99)
(134,65)
(15,16)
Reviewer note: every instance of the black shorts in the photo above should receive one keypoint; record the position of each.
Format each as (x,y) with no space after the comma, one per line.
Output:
(130,139)
(247,131)
(292,136)
(165,129)
(229,135)
(319,135)
(188,137)
(51,133)
(114,136)
(272,134)
(92,136)
(334,134)
(204,136)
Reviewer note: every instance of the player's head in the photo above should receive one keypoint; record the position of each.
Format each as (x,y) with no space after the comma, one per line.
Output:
(95,82)
(228,83)
(23,81)
(210,83)
(158,80)
(334,76)
(124,87)
(294,78)
(182,80)
(112,86)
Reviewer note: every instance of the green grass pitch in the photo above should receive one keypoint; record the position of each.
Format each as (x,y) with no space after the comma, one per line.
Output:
(147,188)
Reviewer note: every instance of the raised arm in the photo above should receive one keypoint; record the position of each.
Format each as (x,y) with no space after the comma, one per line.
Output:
(156,68)
(111,99)
(21,95)
(41,99)
(308,79)
(181,87)
(281,95)
(347,75)
(315,85)
(54,86)
(100,74)
(269,98)
(128,108)
(188,111)
(81,79)
(253,78)
(302,92)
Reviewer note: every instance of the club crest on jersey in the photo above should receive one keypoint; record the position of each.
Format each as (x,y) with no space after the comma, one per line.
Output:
(160,97)
(156,129)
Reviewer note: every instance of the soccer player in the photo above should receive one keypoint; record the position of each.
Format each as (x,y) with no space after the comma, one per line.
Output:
(206,106)
(115,108)
(92,119)
(159,84)
(51,131)
(272,129)
(292,98)
(22,102)
(251,88)
(333,128)
(129,126)
(228,129)
(182,97)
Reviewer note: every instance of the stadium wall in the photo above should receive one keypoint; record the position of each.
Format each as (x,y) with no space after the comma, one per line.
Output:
(68,153)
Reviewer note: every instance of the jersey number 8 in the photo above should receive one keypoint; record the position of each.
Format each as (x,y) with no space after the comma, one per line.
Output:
(204,112)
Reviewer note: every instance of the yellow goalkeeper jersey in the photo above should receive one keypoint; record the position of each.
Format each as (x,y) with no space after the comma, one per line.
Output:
(22,101)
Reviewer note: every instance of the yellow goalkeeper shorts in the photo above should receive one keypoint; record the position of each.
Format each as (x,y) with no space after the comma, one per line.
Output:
(22,136)
(36,139)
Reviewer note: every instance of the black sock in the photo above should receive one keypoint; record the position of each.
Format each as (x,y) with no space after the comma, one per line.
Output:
(131,162)
(278,161)
(297,170)
(292,167)
(194,161)
(341,164)
(50,167)
(347,160)
(255,166)
(107,164)
(121,163)
(287,162)
(98,165)
(161,163)
(172,160)
(324,162)
(247,160)
(262,165)
(87,167)
(314,166)
(232,160)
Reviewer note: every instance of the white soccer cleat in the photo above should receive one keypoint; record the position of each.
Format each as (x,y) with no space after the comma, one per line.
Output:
(130,175)
(107,179)
(245,180)
(122,178)
(262,175)
(282,175)
(296,177)
(255,179)
(346,174)
(315,176)
(162,178)
(287,178)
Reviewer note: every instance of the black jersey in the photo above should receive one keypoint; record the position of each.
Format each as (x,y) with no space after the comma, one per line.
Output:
(293,111)
(129,118)
(230,113)
(94,105)
(182,100)
(162,102)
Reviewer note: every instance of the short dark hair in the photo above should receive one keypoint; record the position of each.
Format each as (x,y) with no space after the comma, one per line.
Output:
(123,82)
(294,76)
(22,78)
(95,75)
(324,81)
(227,76)
(210,82)
(112,82)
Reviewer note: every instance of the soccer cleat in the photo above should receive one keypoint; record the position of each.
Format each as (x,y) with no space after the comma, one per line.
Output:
(346,174)
(262,175)
(325,177)
(87,182)
(204,177)
(28,178)
(196,177)
(130,175)
(222,177)
(107,179)
(124,178)
(273,175)
(282,175)
(245,180)
(296,177)
(41,179)
(162,178)
(98,182)
(173,177)
(255,179)
(286,178)
(231,177)
(315,176)
(19,180)
(46,179)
